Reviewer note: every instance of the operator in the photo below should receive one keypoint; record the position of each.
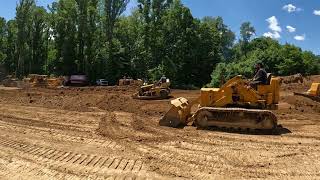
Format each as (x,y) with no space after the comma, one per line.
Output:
(260,77)
(162,80)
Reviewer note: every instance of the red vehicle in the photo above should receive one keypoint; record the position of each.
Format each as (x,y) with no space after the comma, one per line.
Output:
(76,80)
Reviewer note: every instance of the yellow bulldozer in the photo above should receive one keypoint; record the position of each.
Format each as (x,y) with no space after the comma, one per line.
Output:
(36,80)
(235,105)
(156,91)
(130,82)
(43,81)
(313,93)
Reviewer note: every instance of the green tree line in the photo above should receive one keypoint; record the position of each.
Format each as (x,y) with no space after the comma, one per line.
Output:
(159,37)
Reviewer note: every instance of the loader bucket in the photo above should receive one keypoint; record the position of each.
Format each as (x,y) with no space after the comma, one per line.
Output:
(178,114)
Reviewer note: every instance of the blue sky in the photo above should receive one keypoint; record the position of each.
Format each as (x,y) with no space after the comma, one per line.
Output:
(270,17)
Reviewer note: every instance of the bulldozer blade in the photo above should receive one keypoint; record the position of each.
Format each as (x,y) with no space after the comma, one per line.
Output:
(315,98)
(178,114)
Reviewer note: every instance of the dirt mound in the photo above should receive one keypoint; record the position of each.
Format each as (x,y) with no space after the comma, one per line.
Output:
(74,99)
(302,104)
(298,85)
(113,124)
(115,102)
(315,78)
(297,78)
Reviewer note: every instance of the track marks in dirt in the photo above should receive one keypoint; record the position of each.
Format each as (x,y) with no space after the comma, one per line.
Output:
(76,163)
(14,168)
(54,117)
(58,135)
(39,123)
(252,162)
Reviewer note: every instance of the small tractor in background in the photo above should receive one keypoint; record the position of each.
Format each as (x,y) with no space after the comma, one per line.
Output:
(313,93)
(55,82)
(42,81)
(130,82)
(36,80)
(10,81)
(156,91)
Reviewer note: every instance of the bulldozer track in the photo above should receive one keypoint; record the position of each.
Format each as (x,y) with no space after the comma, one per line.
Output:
(218,116)
(59,158)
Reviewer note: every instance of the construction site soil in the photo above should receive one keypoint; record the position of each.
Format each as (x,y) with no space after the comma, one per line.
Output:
(102,133)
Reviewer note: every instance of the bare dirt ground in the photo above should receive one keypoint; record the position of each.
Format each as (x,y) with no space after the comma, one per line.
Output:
(101,133)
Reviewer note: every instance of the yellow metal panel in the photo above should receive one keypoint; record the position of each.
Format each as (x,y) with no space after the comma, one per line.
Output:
(206,97)
(270,92)
(315,89)
(209,96)
(275,84)
(209,89)
(264,89)
(269,98)
(221,97)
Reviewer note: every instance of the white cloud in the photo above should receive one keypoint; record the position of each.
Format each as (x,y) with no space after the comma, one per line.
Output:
(273,24)
(300,38)
(291,29)
(274,27)
(274,35)
(291,8)
(316,12)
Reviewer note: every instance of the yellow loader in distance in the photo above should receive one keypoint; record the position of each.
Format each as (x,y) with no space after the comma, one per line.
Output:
(313,93)
(156,91)
(235,105)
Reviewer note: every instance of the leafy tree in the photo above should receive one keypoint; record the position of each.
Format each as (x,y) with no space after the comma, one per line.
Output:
(152,14)
(224,37)
(82,23)
(128,35)
(11,56)
(246,32)
(93,41)
(39,38)
(23,43)
(179,40)
(3,39)
(311,63)
(64,25)
(292,60)
(112,11)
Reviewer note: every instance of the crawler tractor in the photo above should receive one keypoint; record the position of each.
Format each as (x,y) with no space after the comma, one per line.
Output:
(313,93)
(235,105)
(155,91)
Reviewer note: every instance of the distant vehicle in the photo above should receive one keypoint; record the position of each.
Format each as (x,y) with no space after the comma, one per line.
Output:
(76,80)
(102,82)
